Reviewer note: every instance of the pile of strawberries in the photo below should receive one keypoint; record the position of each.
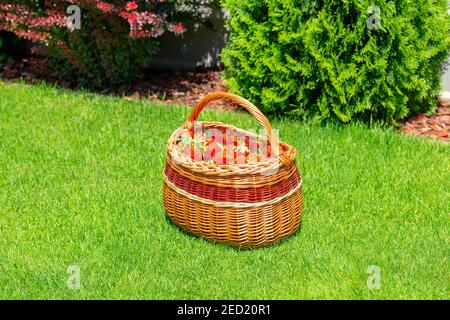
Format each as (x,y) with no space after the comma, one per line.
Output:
(226,149)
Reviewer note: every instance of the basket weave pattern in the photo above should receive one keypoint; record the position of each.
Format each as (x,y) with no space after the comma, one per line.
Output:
(245,205)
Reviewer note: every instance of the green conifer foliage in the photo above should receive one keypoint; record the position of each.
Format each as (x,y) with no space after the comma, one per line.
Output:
(372,60)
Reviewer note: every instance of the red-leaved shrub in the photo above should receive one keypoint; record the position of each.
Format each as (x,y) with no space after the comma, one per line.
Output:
(115,41)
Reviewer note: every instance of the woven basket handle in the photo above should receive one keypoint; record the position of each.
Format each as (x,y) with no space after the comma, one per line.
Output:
(247,105)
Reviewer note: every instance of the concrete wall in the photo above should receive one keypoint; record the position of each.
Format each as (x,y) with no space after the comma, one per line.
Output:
(446,78)
(446,85)
(197,47)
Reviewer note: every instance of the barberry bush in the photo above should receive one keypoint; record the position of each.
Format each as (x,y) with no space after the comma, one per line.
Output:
(115,39)
(369,60)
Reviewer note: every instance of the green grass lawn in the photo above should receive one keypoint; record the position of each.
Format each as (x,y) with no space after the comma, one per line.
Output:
(80,184)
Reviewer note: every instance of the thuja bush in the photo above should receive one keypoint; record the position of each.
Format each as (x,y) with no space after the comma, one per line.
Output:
(114,40)
(370,60)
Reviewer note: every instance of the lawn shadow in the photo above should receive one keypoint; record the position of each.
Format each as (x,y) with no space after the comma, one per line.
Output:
(215,244)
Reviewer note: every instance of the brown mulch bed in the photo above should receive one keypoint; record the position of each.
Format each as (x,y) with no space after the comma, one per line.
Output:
(436,126)
(169,87)
(188,87)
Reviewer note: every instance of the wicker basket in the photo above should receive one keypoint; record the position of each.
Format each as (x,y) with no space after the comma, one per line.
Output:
(245,205)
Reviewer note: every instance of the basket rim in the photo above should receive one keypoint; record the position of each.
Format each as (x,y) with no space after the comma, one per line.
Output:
(183,160)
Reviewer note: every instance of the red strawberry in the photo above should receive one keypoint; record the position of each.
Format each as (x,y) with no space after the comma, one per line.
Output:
(209,152)
(220,151)
(261,155)
(264,151)
(228,149)
(269,152)
(242,151)
(185,141)
(214,151)
(235,141)
(230,156)
(199,145)
(252,145)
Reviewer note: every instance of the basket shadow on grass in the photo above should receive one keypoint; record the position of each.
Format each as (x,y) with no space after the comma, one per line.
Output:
(213,244)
